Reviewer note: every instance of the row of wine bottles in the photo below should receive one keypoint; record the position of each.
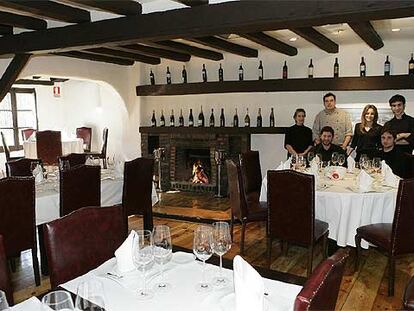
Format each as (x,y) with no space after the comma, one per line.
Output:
(362,71)
(212,122)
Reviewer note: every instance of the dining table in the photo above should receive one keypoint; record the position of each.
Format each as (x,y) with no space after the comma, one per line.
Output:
(341,204)
(69,145)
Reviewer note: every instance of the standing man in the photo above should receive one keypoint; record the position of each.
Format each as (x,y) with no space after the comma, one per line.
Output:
(402,124)
(336,118)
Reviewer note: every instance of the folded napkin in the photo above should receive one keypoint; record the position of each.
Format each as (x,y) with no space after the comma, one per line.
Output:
(124,253)
(390,179)
(287,164)
(38,174)
(89,161)
(248,286)
(314,167)
(364,181)
(280,167)
(351,164)
(119,168)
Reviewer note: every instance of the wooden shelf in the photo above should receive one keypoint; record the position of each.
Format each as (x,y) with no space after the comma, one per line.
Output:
(212,130)
(282,85)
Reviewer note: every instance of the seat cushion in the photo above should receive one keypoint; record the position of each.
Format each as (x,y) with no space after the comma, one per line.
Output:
(377,234)
(257,211)
(321,228)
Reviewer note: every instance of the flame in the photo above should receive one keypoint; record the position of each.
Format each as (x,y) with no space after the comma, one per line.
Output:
(199,176)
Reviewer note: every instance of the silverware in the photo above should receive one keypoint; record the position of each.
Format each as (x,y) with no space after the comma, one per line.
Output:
(116,276)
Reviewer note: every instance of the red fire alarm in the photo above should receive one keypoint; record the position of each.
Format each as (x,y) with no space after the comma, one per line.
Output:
(56,91)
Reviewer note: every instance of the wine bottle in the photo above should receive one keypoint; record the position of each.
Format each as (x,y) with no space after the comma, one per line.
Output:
(191,119)
(387,67)
(181,119)
(162,119)
(184,75)
(221,74)
(236,119)
(222,119)
(201,118)
(272,118)
(212,122)
(168,75)
(152,77)
(310,69)
(204,73)
(336,68)
(172,119)
(285,71)
(261,73)
(362,68)
(241,73)
(411,65)
(153,120)
(247,118)
(259,118)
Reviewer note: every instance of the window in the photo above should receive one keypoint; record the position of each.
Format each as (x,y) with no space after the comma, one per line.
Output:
(17,111)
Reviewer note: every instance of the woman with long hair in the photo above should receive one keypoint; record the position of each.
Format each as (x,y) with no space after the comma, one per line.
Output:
(367,133)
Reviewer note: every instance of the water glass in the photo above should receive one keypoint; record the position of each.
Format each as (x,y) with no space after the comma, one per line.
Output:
(376,164)
(162,252)
(58,300)
(3,301)
(310,156)
(301,163)
(64,165)
(334,158)
(341,159)
(90,296)
(203,249)
(221,245)
(143,259)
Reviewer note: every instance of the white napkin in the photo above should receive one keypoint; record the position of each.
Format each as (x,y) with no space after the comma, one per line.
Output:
(38,174)
(280,167)
(287,164)
(248,286)
(119,168)
(32,137)
(390,179)
(351,164)
(364,181)
(124,253)
(89,161)
(314,167)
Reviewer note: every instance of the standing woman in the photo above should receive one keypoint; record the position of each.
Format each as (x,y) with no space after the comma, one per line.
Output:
(367,134)
(298,138)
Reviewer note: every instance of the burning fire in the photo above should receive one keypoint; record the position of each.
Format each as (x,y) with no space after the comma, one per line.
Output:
(199,176)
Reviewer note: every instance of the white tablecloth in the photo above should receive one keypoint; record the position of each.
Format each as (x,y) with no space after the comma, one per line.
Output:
(68,146)
(345,210)
(31,304)
(183,273)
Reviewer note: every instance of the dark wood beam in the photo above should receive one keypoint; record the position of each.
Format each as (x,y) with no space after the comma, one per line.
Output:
(366,32)
(96,58)
(151,51)
(11,73)
(6,30)
(315,37)
(192,2)
(271,43)
(187,49)
(124,7)
(224,45)
(124,55)
(61,80)
(34,82)
(21,21)
(227,17)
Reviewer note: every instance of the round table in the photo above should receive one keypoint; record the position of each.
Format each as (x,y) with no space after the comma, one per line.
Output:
(68,146)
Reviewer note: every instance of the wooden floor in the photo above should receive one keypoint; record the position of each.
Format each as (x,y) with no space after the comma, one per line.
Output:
(363,290)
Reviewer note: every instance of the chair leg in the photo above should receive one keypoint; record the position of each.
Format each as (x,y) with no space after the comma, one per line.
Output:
(35,262)
(231,227)
(105,166)
(358,251)
(391,275)
(13,264)
(285,246)
(243,232)
(325,246)
(310,258)
(269,251)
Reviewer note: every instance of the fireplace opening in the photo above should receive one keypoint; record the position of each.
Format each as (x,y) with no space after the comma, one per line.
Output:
(193,165)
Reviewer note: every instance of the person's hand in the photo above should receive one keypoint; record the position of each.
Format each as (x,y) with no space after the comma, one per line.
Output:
(317,141)
(343,147)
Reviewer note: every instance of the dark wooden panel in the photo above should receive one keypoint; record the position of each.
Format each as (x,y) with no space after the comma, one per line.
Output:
(192,2)
(34,82)
(151,51)
(185,48)
(6,30)
(282,85)
(124,7)
(48,9)
(96,58)
(12,72)
(212,130)
(315,37)
(366,32)
(271,43)
(21,21)
(224,45)
(124,55)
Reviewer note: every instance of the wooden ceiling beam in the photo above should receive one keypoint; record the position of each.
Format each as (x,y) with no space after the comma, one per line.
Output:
(34,82)
(224,45)
(6,30)
(271,43)
(20,21)
(227,17)
(318,39)
(47,9)
(192,2)
(124,55)
(157,52)
(124,7)
(96,58)
(11,73)
(366,32)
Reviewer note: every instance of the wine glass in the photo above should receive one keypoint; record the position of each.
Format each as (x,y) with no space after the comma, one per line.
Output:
(334,158)
(90,296)
(64,165)
(221,245)
(58,300)
(143,259)
(162,252)
(301,162)
(203,249)
(341,159)
(294,161)
(33,166)
(376,164)
(310,156)
(3,301)
(362,159)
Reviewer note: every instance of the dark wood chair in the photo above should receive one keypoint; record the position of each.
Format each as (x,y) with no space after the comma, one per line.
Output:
(291,203)
(252,176)
(137,189)
(83,240)
(86,134)
(7,149)
(17,218)
(394,238)
(26,133)
(409,161)
(74,159)
(102,154)
(240,210)
(5,282)
(321,290)
(49,146)
(80,186)
(21,167)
